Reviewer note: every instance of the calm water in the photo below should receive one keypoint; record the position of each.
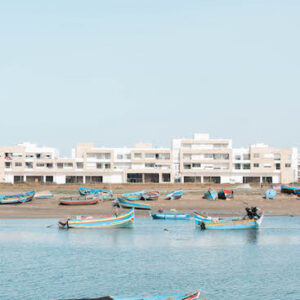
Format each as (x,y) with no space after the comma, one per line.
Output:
(37,262)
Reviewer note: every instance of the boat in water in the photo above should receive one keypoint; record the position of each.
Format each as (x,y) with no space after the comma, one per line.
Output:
(225,194)
(170,215)
(17,198)
(211,195)
(187,296)
(251,220)
(174,195)
(88,200)
(270,194)
(129,204)
(115,221)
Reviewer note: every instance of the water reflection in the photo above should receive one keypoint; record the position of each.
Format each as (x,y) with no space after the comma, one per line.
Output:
(252,236)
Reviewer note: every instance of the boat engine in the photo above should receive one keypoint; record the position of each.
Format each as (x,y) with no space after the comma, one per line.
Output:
(252,213)
(202,225)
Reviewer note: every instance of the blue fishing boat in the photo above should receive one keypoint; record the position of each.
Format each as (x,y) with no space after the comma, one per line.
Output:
(43,196)
(270,194)
(123,220)
(187,296)
(289,190)
(174,195)
(129,204)
(198,217)
(102,193)
(211,195)
(134,196)
(252,220)
(17,198)
(170,215)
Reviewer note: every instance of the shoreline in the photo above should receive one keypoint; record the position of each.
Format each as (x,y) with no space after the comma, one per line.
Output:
(282,205)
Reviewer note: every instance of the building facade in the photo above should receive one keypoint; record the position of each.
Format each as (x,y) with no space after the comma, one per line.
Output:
(196,160)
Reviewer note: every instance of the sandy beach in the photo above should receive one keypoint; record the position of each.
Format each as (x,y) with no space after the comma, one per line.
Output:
(192,200)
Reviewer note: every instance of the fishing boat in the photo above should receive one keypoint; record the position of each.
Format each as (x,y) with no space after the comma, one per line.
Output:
(102,193)
(225,194)
(17,198)
(252,220)
(43,196)
(78,200)
(151,195)
(289,190)
(170,215)
(174,195)
(199,217)
(128,204)
(211,195)
(187,296)
(123,220)
(134,196)
(270,194)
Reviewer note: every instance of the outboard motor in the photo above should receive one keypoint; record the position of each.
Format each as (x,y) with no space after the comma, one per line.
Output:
(249,213)
(254,211)
(202,225)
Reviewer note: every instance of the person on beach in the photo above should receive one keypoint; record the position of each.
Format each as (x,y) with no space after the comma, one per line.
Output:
(115,206)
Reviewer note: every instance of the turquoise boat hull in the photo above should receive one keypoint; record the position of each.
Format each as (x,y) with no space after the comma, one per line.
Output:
(174,195)
(211,195)
(170,216)
(17,198)
(270,194)
(126,204)
(134,196)
(123,220)
(289,190)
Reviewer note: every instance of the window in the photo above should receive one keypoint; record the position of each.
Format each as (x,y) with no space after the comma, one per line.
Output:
(150,155)
(107,155)
(208,156)
(267,166)
(277,156)
(137,155)
(237,166)
(68,165)
(128,156)
(49,165)
(246,166)
(277,166)
(40,165)
(187,166)
(255,165)
(7,165)
(256,155)
(246,156)
(149,165)
(107,166)
(38,155)
(288,165)
(119,156)
(29,165)
(98,165)
(237,157)
(79,165)
(18,164)
(60,165)
(196,165)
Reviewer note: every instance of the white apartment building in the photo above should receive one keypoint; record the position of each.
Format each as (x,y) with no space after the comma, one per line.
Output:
(200,160)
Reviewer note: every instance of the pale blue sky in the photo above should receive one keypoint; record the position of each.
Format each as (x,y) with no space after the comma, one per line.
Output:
(118,72)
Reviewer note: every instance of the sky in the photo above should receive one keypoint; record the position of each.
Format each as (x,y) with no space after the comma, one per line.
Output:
(119,72)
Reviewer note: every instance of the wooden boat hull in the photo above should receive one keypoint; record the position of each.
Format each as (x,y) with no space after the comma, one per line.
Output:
(126,204)
(78,202)
(17,199)
(270,194)
(174,195)
(43,196)
(134,196)
(121,221)
(225,194)
(150,196)
(289,190)
(238,224)
(211,195)
(170,216)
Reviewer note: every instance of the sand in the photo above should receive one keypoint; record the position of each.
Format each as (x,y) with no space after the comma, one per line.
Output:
(192,201)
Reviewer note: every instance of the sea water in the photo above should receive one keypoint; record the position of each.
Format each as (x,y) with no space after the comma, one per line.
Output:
(38,261)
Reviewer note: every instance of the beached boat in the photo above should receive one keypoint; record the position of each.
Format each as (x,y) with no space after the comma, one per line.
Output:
(134,196)
(43,196)
(17,198)
(187,296)
(251,221)
(123,220)
(170,215)
(129,204)
(211,195)
(174,195)
(78,200)
(102,193)
(151,195)
(289,190)
(270,194)
(225,194)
